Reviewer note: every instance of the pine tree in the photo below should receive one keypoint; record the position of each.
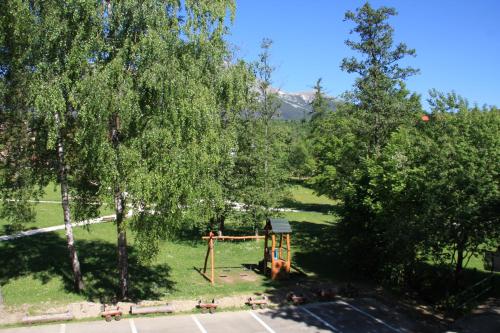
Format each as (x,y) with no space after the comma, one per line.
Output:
(319,104)
(349,142)
(379,92)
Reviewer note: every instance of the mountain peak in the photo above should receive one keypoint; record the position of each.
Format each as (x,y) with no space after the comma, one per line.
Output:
(295,105)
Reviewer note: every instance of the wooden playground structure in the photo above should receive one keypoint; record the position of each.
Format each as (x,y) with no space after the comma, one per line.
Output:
(273,254)
(280,267)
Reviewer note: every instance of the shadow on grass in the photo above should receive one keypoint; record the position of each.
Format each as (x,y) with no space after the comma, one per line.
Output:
(46,256)
(319,249)
(316,249)
(9,229)
(435,284)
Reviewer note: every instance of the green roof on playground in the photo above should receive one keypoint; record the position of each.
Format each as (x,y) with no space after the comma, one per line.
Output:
(278,226)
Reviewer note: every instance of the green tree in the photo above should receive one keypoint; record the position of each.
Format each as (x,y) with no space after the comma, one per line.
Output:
(153,106)
(439,181)
(60,47)
(377,105)
(260,161)
(379,92)
(267,108)
(461,189)
(320,104)
(236,97)
(349,142)
(300,160)
(18,179)
(434,191)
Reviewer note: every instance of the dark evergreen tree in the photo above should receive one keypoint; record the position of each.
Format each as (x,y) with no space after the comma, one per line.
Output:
(379,93)
(349,142)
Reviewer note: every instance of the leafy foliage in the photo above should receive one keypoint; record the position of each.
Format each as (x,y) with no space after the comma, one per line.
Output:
(349,143)
(412,190)
(260,168)
(155,111)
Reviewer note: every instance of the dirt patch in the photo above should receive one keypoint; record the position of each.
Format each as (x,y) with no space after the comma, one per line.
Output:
(248,276)
(230,276)
(224,278)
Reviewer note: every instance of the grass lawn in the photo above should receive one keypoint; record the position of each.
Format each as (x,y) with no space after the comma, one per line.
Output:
(320,209)
(303,198)
(52,193)
(36,269)
(47,213)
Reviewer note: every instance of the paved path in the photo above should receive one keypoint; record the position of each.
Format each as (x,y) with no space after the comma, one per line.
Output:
(57,227)
(339,316)
(38,201)
(104,219)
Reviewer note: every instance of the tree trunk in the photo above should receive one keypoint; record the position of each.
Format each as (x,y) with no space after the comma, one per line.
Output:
(459,264)
(63,179)
(122,242)
(266,151)
(119,198)
(222,220)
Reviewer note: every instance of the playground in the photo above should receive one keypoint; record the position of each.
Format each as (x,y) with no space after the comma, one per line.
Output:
(34,282)
(33,279)
(278,256)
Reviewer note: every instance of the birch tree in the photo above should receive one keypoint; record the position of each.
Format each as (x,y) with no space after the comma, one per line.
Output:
(58,55)
(154,111)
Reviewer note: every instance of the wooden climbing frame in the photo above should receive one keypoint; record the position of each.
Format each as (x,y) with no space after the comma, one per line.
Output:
(210,252)
(280,266)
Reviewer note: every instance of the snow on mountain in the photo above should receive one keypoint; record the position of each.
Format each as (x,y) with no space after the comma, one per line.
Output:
(296,105)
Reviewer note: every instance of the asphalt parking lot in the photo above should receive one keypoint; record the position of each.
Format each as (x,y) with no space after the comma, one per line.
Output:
(338,316)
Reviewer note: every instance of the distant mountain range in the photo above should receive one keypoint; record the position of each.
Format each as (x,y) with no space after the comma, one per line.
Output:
(297,106)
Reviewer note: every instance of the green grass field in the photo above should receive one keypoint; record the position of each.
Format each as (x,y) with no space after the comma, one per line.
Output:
(36,271)
(319,208)
(48,213)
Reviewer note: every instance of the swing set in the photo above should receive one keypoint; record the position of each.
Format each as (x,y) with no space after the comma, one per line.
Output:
(273,253)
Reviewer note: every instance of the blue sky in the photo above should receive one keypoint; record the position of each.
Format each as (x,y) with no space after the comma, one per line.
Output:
(457,43)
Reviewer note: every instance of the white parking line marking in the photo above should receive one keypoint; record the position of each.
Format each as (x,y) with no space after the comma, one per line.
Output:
(197,322)
(62,328)
(269,329)
(380,321)
(324,322)
(132,325)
